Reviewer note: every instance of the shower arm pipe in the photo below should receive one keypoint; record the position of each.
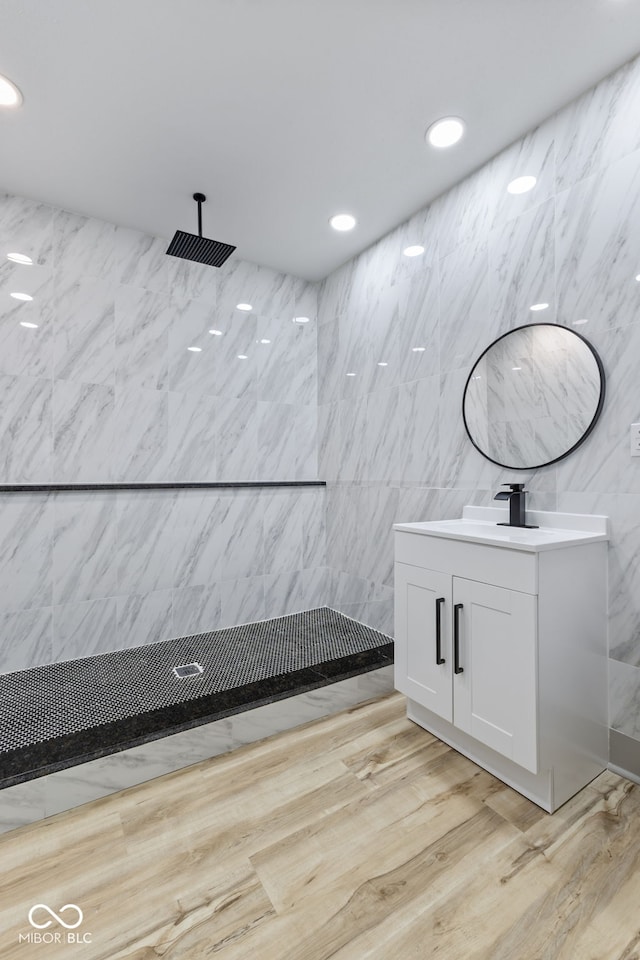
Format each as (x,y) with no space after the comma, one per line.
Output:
(60,487)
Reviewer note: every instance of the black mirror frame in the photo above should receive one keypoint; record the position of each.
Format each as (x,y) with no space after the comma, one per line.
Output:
(591,425)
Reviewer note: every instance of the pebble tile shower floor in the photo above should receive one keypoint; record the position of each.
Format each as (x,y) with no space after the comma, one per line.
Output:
(57,715)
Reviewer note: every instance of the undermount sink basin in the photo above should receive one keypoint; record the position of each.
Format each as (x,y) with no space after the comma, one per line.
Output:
(480,525)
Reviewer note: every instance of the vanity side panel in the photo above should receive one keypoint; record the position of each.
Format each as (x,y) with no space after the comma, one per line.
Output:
(572,665)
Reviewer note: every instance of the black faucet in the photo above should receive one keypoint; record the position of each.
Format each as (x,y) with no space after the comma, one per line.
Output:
(515,497)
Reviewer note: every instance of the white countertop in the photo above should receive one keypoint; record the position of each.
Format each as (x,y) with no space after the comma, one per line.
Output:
(479,525)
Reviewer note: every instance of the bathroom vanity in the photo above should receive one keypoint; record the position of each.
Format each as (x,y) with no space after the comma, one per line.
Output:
(501,644)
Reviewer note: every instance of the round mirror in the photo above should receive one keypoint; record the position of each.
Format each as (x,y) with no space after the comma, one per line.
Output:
(533,396)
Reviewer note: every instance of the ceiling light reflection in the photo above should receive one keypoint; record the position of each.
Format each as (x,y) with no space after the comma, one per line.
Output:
(22,296)
(521,185)
(20,258)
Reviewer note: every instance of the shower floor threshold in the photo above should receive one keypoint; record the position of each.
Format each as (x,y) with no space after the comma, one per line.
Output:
(59,715)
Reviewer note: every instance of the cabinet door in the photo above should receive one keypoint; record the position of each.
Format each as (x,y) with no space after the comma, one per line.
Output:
(495,695)
(422,615)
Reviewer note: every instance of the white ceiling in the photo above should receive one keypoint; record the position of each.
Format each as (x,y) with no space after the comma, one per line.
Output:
(283,111)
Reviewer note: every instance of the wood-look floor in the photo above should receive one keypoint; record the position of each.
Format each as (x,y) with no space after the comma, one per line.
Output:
(359,836)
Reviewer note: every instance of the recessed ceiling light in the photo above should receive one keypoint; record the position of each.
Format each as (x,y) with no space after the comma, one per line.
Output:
(301,319)
(30,326)
(22,296)
(413,251)
(521,185)
(445,132)
(244,306)
(418,349)
(577,323)
(19,258)
(195,349)
(382,363)
(539,306)
(242,356)
(10,96)
(342,222)
(638,278)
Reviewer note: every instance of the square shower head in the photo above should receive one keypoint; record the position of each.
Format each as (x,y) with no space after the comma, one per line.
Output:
(189,246)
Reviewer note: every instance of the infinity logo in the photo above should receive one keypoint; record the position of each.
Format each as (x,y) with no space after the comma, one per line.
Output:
(56,916)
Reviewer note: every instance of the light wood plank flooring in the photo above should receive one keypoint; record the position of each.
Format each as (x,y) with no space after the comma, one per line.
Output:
(357,836)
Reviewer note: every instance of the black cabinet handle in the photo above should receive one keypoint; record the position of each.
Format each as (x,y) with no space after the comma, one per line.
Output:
(439,658)
(457,607)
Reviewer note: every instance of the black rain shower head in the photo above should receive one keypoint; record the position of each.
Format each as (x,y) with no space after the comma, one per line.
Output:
(189,246)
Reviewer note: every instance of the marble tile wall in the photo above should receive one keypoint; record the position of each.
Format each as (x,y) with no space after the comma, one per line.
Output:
(102,388)
(392,444)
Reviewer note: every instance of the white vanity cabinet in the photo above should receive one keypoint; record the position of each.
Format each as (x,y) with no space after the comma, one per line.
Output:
(500,644)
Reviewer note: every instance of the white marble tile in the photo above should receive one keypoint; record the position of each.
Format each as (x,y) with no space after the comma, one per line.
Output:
(192,440)
(84,331)
(27,351)
(84,546)
(141,260)
(531,155)
(465,213)
(278,449)
(595,130)
(143,320)
(144,618)
(460,463)
(521,268)
(334,293)
(192,281)
(287,365)
(191,372)
(196,610)
(26,226)
(314,529)
(418,323)
(71,788)
(317,586)
(624,698)
(418,412)
(21,804)
(306,299)
(26,534)
(83,247)
(384,439)
(237,440)
(420,229)
(242,601)
(331,361)
(598,242)
(25,430)
(353,455)
(329,446)
(146,541)
(84,629)
(237,377)
(241,538)
(382,505)
(468,324)
(284,593)
(83,438)
(25,639)
(141,434)
(199,540)
(283,519)
(271,294)
(417,504)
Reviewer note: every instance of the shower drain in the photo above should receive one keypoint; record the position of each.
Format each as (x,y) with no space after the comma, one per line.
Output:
(187,670)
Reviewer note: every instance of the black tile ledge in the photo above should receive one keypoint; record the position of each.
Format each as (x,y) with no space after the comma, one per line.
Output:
(59,715)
